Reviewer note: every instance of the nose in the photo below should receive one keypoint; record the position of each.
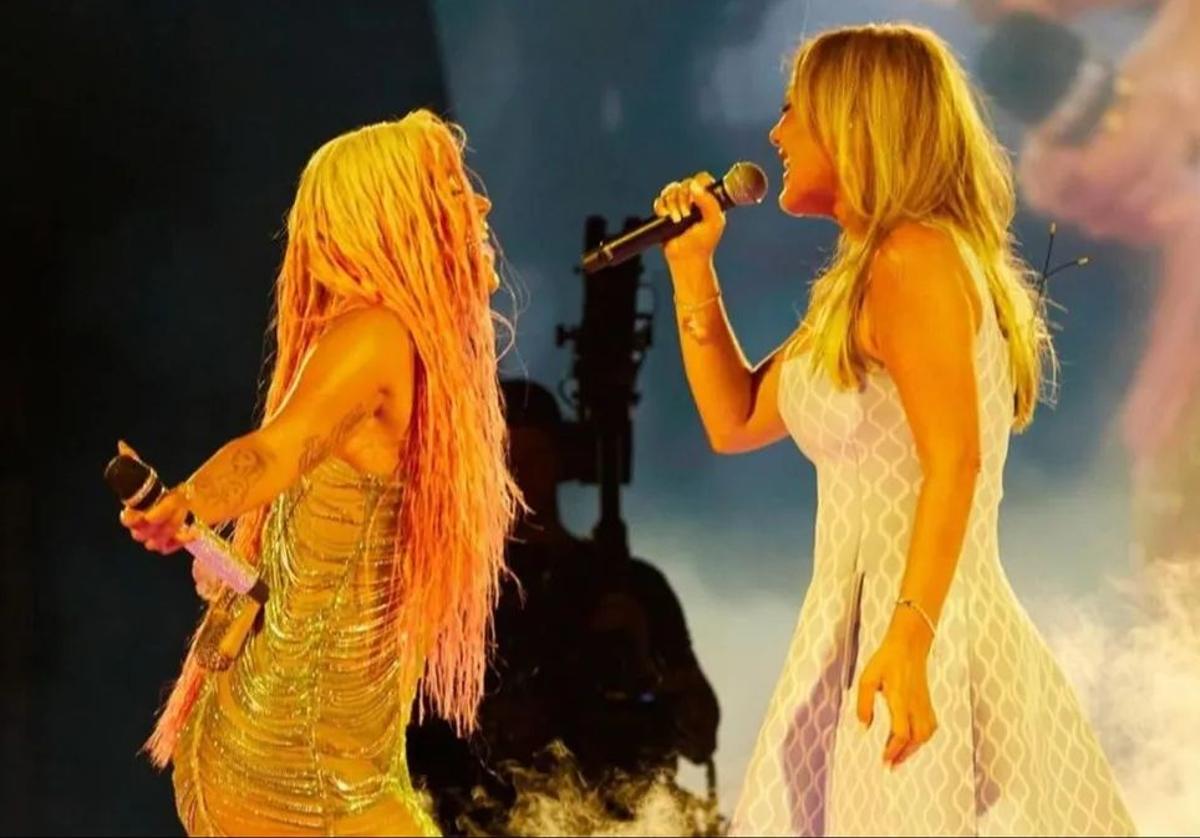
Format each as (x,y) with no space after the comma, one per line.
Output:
(773,136)
(484,205)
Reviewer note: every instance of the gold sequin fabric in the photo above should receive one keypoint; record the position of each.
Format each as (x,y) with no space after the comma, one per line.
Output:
(305,733)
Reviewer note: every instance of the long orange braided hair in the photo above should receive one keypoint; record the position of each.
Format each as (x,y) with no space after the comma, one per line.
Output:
(386,215)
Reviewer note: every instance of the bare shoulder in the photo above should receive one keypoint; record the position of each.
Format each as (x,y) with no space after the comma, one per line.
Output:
(370,324)
(915,249)
(376,343)
(918,265)
(372,342)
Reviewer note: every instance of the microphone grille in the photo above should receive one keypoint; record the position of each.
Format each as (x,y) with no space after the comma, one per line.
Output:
(745,183)
(130,481)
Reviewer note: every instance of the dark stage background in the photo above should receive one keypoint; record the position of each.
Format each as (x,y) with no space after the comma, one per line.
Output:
(150,153)
(153,154)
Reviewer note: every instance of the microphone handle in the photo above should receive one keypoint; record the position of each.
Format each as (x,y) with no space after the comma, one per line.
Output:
(214,553)
(238,607)
(655,231)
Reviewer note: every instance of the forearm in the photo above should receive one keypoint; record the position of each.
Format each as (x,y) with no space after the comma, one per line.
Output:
(253,469)
(1166,53)
(1172,345)
(939,528)
(242,475)
(1177,298)
(716,369)
(1177,21)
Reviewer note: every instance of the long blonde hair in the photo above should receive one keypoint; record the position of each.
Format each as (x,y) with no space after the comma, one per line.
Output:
(385,216)
(894,111)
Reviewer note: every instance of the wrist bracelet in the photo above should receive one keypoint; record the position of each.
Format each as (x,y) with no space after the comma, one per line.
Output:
(690,308)
(921,612)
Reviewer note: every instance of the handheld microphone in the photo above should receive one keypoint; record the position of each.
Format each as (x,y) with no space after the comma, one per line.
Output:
(744,183)
(138,486)
(1043,74)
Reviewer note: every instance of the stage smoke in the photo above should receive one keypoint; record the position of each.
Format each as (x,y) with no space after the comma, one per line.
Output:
(1137,673)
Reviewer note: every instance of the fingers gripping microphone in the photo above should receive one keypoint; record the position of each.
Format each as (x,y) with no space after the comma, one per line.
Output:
(138,486)
(744,183)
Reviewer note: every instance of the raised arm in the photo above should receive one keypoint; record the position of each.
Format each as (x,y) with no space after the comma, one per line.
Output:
(737,403)
(365,357)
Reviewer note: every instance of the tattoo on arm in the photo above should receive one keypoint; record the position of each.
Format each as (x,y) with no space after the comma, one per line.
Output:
(226,483)
(221,488)
(317,448)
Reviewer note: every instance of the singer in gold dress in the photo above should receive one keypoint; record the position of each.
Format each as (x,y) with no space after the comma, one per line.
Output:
(374,498)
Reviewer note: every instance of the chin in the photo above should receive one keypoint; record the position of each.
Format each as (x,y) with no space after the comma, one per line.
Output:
(804,203)
(788,205)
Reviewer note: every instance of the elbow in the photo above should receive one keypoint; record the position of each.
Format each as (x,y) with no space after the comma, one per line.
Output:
(265,444)
(268,456)
(717,443)
(722,442)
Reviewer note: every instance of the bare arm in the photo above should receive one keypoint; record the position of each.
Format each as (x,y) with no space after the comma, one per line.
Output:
(920,307)
(923,326)
(1168,374)
(364,357)
(1171,35)
(737,403)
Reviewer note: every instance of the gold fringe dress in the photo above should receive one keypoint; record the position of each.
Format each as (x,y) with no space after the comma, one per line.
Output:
(305,733)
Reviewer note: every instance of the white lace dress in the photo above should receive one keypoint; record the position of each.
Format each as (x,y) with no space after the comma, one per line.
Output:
(1014,754)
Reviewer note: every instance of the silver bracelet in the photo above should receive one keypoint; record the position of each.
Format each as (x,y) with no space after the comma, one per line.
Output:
(689,320)
(920,611)
(690,308)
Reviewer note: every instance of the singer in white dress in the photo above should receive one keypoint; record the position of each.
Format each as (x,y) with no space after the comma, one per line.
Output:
(922,349)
